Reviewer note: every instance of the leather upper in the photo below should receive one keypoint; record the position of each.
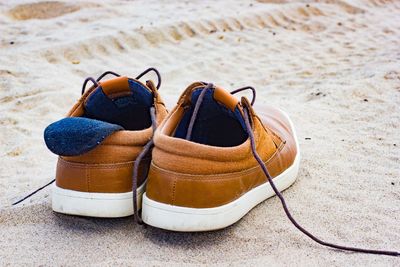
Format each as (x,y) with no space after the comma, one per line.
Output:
(108,167)
(189,174)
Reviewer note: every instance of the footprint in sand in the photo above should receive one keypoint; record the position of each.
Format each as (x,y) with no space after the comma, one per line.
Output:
(43,10)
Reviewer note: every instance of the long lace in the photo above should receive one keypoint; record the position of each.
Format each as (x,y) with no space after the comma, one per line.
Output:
(288,214)
(196,110)
(34,192)
(280,196)
(139,158)
(95,82)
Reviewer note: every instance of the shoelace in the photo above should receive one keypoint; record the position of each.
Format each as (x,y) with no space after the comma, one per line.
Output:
(249,130)
(246,88)
(146,149)
(200,100)
(150,144)
(96,84)
(270,180)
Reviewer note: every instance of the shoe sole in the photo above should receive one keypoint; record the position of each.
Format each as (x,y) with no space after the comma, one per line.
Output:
(183,219)
(104,205)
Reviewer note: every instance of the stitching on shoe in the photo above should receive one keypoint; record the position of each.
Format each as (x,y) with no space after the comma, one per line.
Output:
(87,179)
(173,190)
(116,165)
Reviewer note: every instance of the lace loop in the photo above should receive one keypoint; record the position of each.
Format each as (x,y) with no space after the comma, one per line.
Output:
(85,83)
(96,82)
(107,73)
(253,100)
(147,71)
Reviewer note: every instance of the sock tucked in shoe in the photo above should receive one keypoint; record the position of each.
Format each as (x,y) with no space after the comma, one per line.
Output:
(98,143)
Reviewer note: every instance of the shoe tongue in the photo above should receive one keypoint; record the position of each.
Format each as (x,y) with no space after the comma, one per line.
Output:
(217,99)
(230,102)
(121,101)
(218,121)
(224,97)
(115,86)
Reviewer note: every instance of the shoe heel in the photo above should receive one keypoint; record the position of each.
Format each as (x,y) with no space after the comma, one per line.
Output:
(104,205)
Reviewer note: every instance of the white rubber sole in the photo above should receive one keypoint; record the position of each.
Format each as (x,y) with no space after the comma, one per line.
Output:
(104,205)
(183,219)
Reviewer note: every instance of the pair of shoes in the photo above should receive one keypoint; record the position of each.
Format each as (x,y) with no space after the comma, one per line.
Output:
(200,167)
(201,174)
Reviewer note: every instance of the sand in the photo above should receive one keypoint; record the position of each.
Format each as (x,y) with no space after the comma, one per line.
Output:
(334,66)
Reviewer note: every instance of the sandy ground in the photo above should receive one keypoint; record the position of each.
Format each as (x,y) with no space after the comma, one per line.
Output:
(333,65)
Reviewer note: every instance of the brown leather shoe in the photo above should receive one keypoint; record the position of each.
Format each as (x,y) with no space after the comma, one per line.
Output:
(203,175)
(98,144)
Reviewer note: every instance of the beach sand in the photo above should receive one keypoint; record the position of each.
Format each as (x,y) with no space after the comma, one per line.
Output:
(334,66)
